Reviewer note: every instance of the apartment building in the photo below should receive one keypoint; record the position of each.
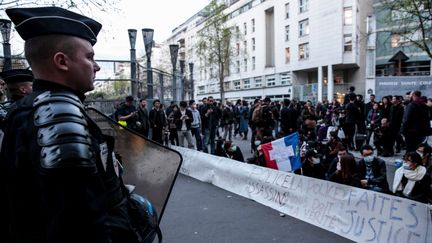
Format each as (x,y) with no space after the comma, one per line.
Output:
(304,49)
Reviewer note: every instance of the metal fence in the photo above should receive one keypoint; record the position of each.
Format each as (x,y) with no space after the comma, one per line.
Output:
(114,82)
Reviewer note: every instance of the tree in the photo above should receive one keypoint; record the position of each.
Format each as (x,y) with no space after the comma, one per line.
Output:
(214,44)
(411,19)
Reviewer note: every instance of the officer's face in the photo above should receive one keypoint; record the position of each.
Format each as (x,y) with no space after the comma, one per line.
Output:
(83,68)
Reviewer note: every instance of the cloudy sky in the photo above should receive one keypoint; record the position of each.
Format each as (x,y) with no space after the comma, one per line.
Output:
(161,15)
(113,41)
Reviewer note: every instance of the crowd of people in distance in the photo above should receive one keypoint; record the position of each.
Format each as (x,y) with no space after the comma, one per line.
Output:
(329,133)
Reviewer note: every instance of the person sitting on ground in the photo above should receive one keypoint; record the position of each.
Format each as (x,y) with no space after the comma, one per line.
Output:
(424,151)
(333,164)
(411,180)
(258,155)
(333,147)
(312,166)
(346,172)
(219,150)
(233,151)
(372,170)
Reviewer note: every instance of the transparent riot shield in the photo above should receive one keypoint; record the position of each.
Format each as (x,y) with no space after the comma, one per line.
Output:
(149,166)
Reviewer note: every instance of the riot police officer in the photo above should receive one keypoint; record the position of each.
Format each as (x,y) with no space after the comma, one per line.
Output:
(19,84)
(58,180)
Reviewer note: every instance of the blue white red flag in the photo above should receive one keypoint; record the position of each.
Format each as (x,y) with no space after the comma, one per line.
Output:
(283,154)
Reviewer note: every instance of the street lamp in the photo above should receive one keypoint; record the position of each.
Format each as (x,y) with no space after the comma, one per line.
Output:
(174,53)
(192,87)
(5,28)
(132,39)
(182,79)
(148,44)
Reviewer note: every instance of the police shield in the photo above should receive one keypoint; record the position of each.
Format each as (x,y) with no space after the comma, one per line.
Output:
(150,167)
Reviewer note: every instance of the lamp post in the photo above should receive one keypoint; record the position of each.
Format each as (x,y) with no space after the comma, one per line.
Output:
(5,28)
(191,82)
(182,79)
(174,53)
(148,44)
(132,39)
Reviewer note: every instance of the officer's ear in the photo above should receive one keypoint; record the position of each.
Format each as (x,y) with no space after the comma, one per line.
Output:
(61,61)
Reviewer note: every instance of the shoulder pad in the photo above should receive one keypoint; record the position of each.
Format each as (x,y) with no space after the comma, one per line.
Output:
(63,132)
(58,107)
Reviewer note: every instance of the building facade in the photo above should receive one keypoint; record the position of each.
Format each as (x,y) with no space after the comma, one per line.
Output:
(401,66)
(303,49)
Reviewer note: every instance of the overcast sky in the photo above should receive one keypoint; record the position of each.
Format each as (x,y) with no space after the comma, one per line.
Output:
(161,15)
(113,41)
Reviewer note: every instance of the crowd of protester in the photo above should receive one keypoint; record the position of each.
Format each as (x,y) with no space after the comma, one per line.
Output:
(329,133)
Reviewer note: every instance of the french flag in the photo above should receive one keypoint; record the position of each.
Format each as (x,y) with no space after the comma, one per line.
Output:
(283,154)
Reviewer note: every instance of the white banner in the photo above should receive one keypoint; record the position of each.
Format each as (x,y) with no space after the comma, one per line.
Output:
(354,213)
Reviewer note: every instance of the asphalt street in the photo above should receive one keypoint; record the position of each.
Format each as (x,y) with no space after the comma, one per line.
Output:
(200,212)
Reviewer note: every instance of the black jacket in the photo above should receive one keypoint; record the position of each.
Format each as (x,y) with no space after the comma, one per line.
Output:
(56,186)
(289,118)
(179,122)
(211,120)
(379,171)
(157,119)
(416,120)
(421,189)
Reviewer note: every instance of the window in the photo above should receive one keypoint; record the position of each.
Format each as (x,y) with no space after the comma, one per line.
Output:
(245,46)
(271,81)
(253,63)
(285,78)
(237,84)
(287,33)
(304,28)
(212,88)
(258,82)
(401,39)
(253,44)
(395,40)
(227,85)
(348,42)
(304,51)
(246,83)
(287,55)
(238,48)
(348,17)
(245,65)
(303,5)
(201,89)
(287,7)
(238,66)
(245,28)
(253,25)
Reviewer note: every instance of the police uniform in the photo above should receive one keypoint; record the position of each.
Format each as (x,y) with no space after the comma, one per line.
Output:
(58,178)
(12,76)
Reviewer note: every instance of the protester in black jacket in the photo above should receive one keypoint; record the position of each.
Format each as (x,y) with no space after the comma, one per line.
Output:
(289,118)
(415,123)
(372,171)
(157,121)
